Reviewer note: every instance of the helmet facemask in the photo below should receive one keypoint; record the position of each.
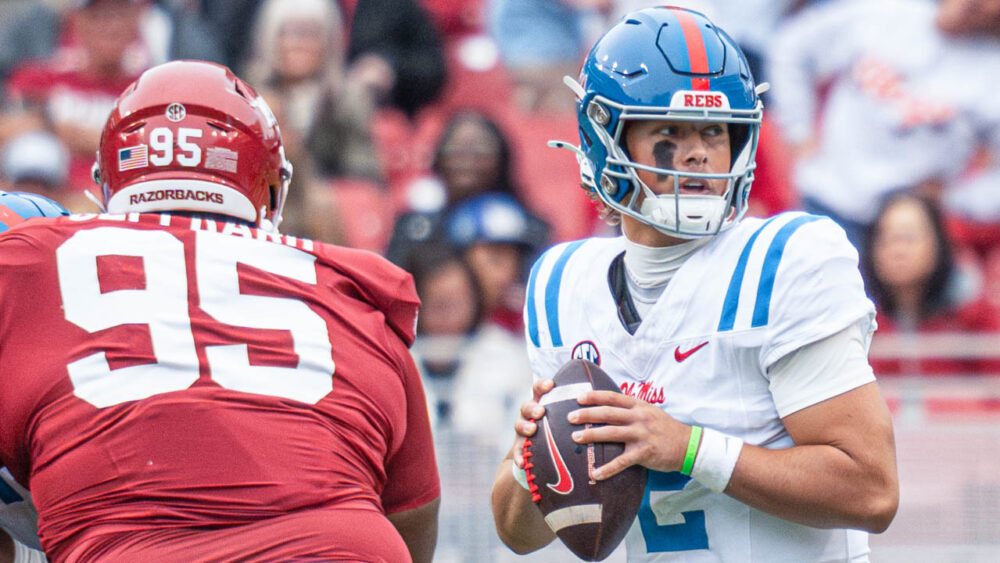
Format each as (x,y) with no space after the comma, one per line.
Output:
(686,216)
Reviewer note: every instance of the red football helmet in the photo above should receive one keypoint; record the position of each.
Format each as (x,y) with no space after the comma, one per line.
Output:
(191,136)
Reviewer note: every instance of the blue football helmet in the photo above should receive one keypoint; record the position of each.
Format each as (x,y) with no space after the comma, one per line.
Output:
(666,63)
(16,207)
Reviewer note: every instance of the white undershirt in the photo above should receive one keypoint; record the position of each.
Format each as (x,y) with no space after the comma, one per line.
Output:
(650,268)
(821,370)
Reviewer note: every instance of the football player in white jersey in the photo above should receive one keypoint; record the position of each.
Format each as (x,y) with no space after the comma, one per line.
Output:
(18,523)
(740,345)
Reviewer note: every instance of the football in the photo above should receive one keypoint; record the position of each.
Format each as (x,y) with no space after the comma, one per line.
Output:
(590,517)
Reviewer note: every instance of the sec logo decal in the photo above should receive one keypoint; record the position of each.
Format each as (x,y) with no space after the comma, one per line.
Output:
(586,350)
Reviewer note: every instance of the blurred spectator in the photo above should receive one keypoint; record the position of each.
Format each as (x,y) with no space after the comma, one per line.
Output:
(231,21)
(299,62)
(919,287)
(450,312)
(37,162)
(172,30)
(168,31)
(499,242)
(472,157)
(72,92)
(879,96)
(541,41)
(298,59)
(395,51)
(28,30)
(476,77)
(475,375)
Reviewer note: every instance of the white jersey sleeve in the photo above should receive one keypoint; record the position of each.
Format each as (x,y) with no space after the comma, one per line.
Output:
(814,286)
(17,511)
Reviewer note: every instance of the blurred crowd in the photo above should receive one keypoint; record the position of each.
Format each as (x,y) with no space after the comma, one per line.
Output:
(417,129)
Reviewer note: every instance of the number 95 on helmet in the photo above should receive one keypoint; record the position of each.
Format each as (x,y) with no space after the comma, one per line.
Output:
(192,136)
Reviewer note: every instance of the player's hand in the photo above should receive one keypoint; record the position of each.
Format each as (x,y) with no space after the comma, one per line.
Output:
(652,437)
(530,411)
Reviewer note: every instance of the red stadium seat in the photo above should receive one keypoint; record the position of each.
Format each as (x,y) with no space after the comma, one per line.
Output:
(365,213)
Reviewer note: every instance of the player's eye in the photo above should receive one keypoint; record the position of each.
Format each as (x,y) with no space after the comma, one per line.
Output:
(713,131)
(667,130)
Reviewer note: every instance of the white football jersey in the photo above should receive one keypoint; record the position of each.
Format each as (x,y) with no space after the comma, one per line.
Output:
(748,297)
(17,511)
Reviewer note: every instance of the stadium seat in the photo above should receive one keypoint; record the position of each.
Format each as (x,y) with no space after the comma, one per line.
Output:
(364,212)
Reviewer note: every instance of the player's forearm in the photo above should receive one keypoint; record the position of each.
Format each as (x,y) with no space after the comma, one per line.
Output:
(518,521)
(820,486)
(418,527)
(6,547)
(13,551)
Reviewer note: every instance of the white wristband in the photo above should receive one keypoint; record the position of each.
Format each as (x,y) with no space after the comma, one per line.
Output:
(716,459)
(520,475)
(24,554)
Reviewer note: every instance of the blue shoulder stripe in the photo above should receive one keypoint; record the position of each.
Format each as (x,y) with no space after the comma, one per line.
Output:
(769,270)
(530,304)
(730,305)
(552,292)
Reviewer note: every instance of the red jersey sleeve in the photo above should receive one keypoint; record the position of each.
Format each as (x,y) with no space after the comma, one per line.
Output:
(411,471)
(386,286)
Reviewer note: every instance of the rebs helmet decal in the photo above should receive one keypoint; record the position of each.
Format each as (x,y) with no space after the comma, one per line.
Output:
(192,136)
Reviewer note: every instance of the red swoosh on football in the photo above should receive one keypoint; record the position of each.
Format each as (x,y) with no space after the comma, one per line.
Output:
(565,484)
(681,356)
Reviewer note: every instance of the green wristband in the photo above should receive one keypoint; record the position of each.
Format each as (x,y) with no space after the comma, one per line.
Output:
(692,450)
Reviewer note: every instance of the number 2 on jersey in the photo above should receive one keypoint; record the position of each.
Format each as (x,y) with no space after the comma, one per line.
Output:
(664,529)
(162,305)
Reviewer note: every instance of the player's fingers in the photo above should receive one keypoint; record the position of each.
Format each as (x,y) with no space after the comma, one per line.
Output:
(612,398)
(601,414)
(525,427)
(541,387)
(517,452)
(613,467)
(532,410)
(608,433)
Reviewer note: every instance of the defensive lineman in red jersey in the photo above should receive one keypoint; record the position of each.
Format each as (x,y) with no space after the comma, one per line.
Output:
(179,382)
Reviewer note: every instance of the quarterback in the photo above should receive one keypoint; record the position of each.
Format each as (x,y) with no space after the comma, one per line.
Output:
(181,382)
(740,345)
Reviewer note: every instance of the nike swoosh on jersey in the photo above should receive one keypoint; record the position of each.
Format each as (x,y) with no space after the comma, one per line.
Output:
(565,484)
(681,356)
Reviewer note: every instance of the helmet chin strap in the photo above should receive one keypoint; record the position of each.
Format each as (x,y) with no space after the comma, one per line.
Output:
(272,224)
(686,216)
(689,214)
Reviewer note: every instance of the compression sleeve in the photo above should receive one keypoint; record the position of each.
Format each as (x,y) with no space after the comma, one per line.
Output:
(821,370)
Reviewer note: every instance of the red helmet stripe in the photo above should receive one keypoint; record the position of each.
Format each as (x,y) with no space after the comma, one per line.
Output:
(9,217)
(697,55)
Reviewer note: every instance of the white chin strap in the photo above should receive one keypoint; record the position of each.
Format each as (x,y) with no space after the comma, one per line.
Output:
(686,216)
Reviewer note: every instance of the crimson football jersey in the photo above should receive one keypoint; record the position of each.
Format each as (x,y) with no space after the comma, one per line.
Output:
(162,373)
